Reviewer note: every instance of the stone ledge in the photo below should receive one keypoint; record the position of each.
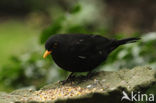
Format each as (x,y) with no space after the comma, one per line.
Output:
(102,87)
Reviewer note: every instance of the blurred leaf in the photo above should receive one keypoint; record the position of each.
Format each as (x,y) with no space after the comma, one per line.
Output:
(76,29)
(136,34)
(76,9)
(53,29)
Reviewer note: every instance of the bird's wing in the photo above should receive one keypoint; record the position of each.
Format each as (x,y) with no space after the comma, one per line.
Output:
(88,45)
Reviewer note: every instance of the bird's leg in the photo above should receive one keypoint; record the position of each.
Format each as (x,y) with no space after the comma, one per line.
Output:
(68,78)
(89,74)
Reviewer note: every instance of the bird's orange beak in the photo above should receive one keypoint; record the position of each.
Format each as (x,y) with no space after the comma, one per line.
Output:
(46,53)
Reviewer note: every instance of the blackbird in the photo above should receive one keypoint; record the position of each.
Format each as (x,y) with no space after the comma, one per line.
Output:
(81,52)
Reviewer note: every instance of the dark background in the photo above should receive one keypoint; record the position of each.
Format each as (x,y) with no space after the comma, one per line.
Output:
(25,25)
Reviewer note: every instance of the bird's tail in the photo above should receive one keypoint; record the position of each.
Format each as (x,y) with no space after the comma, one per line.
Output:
(127,40)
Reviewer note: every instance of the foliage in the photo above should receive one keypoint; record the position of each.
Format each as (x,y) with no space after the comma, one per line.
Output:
(28,70)
(70,22)
(136,54)
(52,29)
(19,73)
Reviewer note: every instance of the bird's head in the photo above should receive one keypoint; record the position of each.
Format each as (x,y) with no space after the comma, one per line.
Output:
(50,46)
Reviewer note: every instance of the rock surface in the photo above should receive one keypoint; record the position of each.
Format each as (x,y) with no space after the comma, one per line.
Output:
(102,87)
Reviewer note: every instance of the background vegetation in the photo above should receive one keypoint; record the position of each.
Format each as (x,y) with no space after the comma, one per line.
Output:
(26,25)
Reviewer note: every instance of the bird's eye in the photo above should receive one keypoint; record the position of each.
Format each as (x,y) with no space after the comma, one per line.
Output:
(55,45)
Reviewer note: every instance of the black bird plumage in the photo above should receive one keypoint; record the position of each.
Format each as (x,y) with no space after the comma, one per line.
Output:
(82,52)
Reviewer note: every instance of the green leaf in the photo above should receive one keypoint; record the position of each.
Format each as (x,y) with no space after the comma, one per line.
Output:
(76,9)
(77,29)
